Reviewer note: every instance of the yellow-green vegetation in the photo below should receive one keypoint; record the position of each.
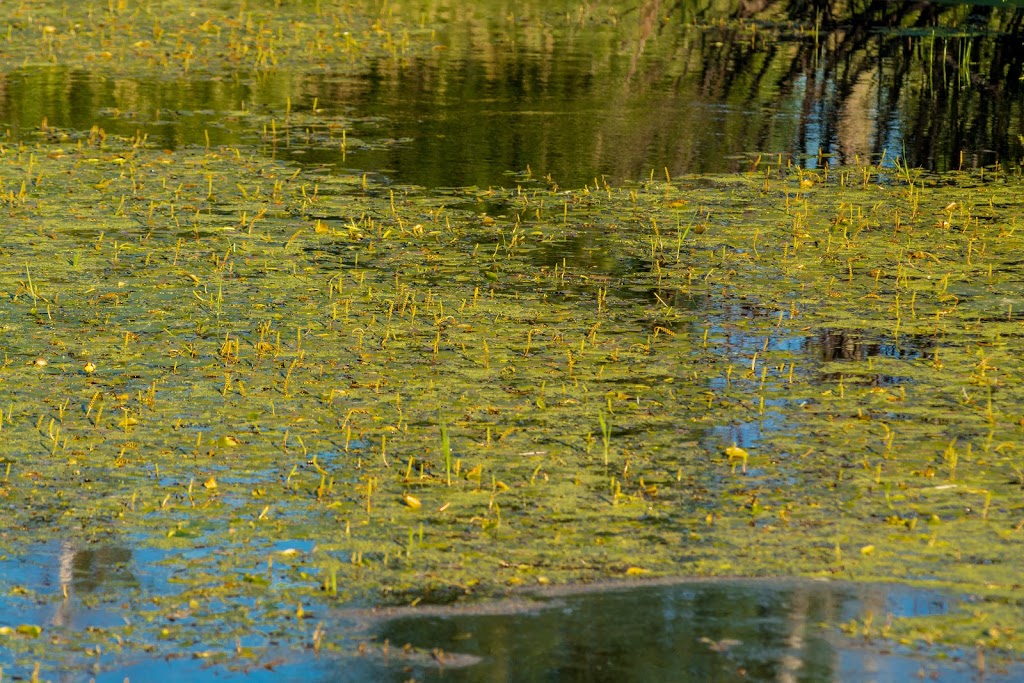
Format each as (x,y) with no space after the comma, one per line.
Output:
(299,389)
(210,350)
(175,38)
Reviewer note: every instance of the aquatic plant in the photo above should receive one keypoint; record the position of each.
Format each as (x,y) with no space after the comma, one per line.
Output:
(221,354)
(219,359)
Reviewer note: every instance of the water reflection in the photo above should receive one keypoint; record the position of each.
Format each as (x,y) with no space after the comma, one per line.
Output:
(66,575)
(775,630)
(579,94)
(86,570)
(712,631)
(843,345)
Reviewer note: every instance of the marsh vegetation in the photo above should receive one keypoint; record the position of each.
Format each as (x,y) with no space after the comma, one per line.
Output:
(340,305)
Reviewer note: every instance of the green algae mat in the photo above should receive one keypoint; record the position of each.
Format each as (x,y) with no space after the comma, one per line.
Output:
(296,392)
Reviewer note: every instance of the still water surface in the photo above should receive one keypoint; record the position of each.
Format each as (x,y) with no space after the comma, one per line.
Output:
(710,630)
(584,94)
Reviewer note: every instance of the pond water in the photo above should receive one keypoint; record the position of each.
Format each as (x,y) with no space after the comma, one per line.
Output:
(580,92)
(275,355)
(714,630)
(711,631)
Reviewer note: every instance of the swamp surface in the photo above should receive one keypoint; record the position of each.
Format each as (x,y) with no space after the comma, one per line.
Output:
(352,341)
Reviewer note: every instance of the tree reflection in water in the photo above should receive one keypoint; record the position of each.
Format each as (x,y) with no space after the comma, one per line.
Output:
(104,569)
(580,91)
(711,631)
